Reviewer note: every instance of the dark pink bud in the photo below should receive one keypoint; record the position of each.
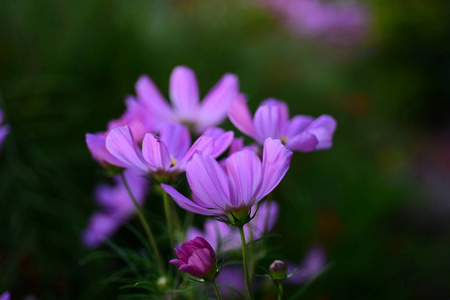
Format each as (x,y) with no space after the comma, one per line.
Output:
(278,269)
(197,258)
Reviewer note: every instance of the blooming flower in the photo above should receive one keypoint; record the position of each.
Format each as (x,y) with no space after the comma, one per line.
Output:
(341,22)
(312,265)
(166,154)
(197,258)
(5,296)
(116,207)
(184,96)
(233,189)
(301,133)
(224,238)
(4,130)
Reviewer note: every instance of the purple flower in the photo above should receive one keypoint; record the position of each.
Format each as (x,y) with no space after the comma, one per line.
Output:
(301,133)
(165,154)
(233,189)
(224,238)
(116,207)
(5,296)
(311,266)
(334,22)
(4,130)
(184,96)
(197,258)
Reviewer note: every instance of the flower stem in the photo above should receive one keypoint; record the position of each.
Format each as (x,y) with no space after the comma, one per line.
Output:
(148,231)
(168,212)
(280,289)
(245,261)
(216,289)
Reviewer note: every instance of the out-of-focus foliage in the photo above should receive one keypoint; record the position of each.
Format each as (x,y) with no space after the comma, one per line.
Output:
(67,65)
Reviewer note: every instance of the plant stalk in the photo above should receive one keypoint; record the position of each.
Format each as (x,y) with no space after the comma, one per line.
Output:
(144,223)
(216,289)
(245,261)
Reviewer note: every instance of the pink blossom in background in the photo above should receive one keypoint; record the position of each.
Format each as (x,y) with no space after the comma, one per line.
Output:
(301,133)
(138,118)
(5,296)
(116,207)
(235,187)
(312,265)
(341,22)
(185,99)
(231,282)
(164,154)
(224,238)
(4,130)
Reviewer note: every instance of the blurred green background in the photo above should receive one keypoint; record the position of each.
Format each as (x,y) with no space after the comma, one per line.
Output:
(378,201)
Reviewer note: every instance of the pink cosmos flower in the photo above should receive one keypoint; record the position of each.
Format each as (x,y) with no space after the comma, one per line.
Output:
(4,130)
(224,238)
(5,296)
(116,207)
(184,95)
(197,258)
(164,154)
(232,189)
(301,133)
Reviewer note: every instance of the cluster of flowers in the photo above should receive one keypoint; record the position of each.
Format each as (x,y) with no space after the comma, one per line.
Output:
(344,22)
(153,140)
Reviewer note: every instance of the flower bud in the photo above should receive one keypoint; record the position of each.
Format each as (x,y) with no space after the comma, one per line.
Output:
(197,258)
(278,270)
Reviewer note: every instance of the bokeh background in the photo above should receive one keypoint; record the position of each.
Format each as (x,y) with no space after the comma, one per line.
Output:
(378,201)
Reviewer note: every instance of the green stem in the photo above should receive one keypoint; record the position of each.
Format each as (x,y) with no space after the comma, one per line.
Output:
(245,261)
(216,289)
(168,212)
(280,289)
(148,231)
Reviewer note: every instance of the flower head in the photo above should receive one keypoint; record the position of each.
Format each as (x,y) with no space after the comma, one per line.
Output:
(197,258)
(4,130)
(184,95)
(278,270)
(301,133)
(232,189)
(166,154)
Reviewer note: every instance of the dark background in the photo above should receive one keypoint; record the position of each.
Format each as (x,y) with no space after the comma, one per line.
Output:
(378,201)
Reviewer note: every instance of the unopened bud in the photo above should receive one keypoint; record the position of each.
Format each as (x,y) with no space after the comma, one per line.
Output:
(162,282)
(278,270)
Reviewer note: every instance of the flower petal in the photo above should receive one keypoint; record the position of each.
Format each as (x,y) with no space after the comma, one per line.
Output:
(177,139)
(187,204)
(216,103)
(303,142)
(97,146)
(240,116)
(184,93)
(323,128)
(244,174)
(270,121)
(298,124)
(275,163)
(208,181)
(155,152)
(120,143)
(149,94)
